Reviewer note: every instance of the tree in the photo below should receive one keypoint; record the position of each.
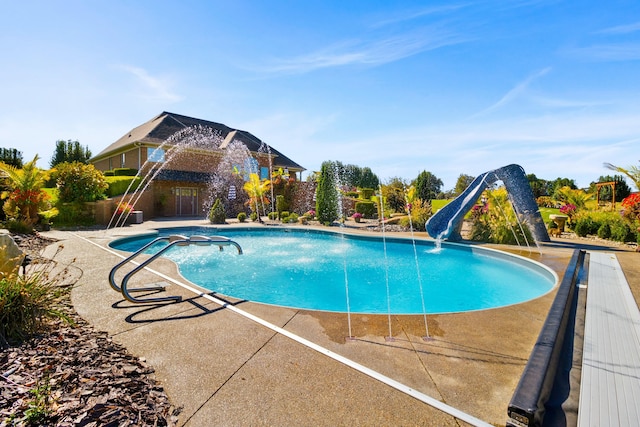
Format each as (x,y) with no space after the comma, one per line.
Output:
(632,172)
(394,194)
(327,194)
(368,179)
(463,182)
(558,183)
(11,156)
(26,198)
(355,176)
(539,186)
(427,185)
(69,152)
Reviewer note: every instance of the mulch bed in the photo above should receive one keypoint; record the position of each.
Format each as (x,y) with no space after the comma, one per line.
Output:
(73,375)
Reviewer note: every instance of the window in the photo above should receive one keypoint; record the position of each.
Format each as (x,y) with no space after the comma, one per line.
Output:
(264,172)
(155,155)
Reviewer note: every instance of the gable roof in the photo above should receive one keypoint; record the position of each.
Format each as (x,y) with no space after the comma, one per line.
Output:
(160,128)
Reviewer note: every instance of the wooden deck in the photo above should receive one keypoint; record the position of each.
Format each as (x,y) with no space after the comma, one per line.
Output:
(610,384)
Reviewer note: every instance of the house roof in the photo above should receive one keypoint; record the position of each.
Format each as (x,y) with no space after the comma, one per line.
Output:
(160,128)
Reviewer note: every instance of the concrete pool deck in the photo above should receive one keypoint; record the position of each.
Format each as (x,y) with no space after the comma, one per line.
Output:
(242,364)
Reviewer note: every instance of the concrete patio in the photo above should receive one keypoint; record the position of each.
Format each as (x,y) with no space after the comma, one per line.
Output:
(250,364)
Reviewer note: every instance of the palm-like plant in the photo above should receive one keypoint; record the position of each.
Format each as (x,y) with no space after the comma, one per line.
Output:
(633,172)
(25,197)
(257,190)
(578,198)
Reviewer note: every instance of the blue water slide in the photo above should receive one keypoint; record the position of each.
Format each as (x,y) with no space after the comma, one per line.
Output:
(447,222)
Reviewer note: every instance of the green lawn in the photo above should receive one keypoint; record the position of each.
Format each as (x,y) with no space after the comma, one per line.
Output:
(545,212)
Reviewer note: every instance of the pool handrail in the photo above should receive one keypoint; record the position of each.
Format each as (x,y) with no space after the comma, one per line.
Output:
(174,240)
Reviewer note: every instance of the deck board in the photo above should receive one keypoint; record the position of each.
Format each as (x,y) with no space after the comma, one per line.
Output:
(610,384)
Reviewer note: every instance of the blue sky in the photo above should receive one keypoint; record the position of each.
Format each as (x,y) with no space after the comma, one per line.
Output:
(400,87)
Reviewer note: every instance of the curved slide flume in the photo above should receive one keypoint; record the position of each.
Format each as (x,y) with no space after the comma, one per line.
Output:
(447,222)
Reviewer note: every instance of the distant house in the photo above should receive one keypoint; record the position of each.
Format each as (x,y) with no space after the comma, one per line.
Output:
(180,187)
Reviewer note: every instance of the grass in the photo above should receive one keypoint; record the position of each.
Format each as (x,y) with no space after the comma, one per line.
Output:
(545,212)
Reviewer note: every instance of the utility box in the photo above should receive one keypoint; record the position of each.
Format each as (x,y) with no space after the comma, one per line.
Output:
(135,217)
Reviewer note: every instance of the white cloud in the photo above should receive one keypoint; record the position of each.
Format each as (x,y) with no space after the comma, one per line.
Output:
(621,29)
(608,52)
(514,93)
(371,52)
(158,88)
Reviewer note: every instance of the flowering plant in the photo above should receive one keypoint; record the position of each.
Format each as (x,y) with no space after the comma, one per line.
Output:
(631,207)
(311,213)
(124,208)
(631,201)
(568,209)
(356,215)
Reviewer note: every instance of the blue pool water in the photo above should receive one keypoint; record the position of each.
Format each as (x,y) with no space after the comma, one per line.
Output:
(310,270)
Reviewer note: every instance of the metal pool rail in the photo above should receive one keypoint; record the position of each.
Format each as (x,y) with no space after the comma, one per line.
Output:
(174,240)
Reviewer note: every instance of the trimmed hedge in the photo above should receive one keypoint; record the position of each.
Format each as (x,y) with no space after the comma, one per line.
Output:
(367,208)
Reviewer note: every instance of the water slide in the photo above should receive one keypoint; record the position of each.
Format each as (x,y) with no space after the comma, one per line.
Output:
(447,222)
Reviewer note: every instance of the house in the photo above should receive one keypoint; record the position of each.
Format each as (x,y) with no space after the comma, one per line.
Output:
(180,183)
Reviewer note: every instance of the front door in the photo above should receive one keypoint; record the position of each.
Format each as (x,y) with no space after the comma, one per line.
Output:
(186,201)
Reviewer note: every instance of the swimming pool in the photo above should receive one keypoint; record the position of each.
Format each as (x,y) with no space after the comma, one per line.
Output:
(312,269)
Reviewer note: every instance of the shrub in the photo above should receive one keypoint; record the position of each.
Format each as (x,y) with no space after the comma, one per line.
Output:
(273,216)
(367,208)
(216,213)
(26,301)
(79,182)
(496,222)
(281,204)
(621,232)
(118,185)
(545,202)
(420,212)
(253,216)
(125,172)
(366,193)
(73,214)
(284,214)
(604,232)
(242,217)
(291,218)
(19,227)
(585,225)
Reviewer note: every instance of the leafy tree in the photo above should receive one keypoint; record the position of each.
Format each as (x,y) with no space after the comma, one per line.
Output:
(368,179)
(632,172)
(327,194)
(622,188)
(559,183)
(25,198)
(462,183)
(393,193)
(427,185)
(69,152)
(538,186)
(355,176)
(11,156)
(79,182)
